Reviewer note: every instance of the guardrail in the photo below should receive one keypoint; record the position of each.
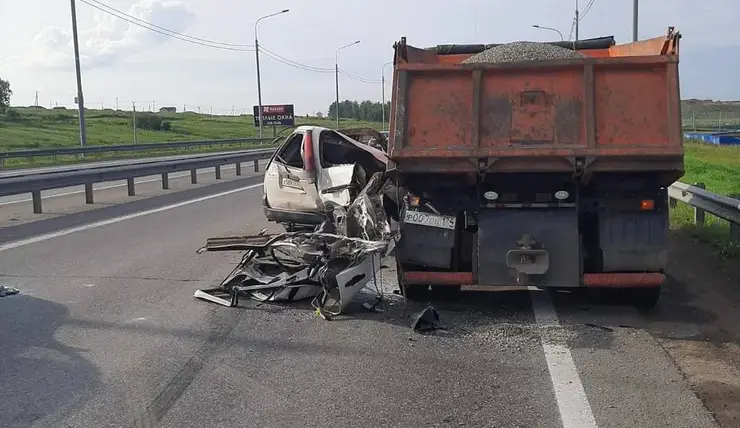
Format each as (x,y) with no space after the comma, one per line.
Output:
(704,201)
(142,147)
(35,183)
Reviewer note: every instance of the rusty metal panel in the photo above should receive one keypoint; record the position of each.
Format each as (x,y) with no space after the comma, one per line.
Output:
(531,109)
(439,114)
(631,107)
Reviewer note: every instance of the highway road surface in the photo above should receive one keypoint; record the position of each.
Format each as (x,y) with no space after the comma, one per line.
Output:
(105,332)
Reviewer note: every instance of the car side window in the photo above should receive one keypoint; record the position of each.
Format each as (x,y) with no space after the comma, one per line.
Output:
(291,152)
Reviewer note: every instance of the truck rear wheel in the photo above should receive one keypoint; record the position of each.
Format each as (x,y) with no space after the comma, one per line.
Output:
(645,298)
(415,292)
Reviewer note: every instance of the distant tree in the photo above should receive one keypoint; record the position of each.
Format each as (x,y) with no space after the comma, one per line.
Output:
(5,94)
(319,114)
(370,111)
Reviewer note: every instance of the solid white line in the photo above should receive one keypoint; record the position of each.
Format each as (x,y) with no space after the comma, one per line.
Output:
(40,238)
(575,411)
(112,186)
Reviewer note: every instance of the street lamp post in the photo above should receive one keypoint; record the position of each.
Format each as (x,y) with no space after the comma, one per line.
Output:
(336,74)
(382,91)
(257,57)
(550,29)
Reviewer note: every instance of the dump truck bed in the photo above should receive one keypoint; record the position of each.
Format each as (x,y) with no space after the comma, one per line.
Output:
(616,110)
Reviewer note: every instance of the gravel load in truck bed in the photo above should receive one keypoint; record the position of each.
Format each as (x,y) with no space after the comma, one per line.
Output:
(523,51)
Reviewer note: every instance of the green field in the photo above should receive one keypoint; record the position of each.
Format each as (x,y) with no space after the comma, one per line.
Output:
(719,169)
(43,128)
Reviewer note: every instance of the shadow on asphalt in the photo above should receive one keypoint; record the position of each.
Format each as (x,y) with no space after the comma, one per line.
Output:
(38,375)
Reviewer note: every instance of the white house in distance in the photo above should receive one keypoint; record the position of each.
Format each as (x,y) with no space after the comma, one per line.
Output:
(168,110)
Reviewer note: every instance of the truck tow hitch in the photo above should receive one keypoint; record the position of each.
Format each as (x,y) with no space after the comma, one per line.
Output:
(530,258)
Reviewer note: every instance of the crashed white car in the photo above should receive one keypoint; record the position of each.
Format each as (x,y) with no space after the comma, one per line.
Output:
(313,168)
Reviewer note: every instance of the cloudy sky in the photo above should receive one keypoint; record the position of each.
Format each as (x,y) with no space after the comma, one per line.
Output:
(124,61)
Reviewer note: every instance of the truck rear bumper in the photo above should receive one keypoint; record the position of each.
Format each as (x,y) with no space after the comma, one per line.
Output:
(591,280)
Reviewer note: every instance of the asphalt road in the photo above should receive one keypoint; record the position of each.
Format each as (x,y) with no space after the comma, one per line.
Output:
(105,332)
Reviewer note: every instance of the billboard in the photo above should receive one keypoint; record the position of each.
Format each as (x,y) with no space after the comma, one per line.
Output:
(280,115)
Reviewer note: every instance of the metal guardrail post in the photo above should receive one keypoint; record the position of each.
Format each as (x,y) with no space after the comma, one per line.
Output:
(735,227)
(698,212)
(36,197)
(130,185)
(89,193)
(256,166)
(218,172)
(165,181)
(238,168)
(193,176)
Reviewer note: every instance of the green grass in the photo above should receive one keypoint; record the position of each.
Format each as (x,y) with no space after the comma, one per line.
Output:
(719,169)
(36,128)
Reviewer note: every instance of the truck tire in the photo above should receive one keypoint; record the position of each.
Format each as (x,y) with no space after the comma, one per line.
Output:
(415,292)
(645,298)
(446,292)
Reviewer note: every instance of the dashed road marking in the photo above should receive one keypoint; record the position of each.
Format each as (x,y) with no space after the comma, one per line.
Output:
(575,410)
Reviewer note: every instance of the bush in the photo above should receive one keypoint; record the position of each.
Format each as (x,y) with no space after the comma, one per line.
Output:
(166,126)
(149,122)
(12,115)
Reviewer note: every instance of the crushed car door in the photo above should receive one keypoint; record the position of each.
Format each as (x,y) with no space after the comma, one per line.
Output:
(345,167)
(289,184)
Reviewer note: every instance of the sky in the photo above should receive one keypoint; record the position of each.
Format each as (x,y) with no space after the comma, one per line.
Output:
(127,64)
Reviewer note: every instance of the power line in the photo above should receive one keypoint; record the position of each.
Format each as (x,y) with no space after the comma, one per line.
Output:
(585,10)
(167,29)
(295,64)
(358,78)
(174,34)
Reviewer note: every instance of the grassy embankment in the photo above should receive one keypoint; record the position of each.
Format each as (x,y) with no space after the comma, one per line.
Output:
(32,128)
(719,169)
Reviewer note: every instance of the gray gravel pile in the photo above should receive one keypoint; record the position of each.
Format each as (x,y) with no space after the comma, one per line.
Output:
(523,51)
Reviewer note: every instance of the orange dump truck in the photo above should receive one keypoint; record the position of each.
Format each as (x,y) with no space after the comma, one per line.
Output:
(550,173)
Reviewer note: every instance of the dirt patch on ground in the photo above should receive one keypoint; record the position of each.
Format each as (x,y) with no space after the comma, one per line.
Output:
(698,323)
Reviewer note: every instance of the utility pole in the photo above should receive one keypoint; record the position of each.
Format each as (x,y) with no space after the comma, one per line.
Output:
(36,101)
(336,73)
(80,99)
(635,7)
(257,61)
(116,103)
(577,19)
(133,104)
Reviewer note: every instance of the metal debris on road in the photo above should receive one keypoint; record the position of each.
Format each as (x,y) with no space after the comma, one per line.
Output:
(523,51)
(427,320)
(331,268)
(8,291)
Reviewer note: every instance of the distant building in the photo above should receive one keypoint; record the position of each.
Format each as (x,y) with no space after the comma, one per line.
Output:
(168,110)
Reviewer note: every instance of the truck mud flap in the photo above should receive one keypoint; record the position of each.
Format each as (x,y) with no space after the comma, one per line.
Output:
(523,247)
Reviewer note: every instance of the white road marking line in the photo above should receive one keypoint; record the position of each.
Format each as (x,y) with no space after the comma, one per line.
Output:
(575,410)
(40,238)
(112,186)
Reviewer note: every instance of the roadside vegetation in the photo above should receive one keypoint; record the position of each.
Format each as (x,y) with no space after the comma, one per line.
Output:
(41,128)
(718,167)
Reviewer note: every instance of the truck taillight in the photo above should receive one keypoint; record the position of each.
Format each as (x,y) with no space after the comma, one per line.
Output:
(308,160)
(647,204)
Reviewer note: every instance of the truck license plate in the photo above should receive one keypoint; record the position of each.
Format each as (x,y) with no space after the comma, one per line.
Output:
(431,220)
